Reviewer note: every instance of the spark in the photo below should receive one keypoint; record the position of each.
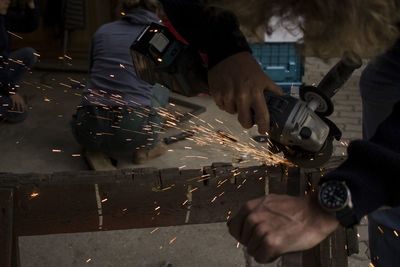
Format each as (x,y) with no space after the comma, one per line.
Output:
(238,244)
(104,200)
(380,229)
(88,260)
(172,240)
(157,208)
(34,194)
(194,189)
(76,155)
(56,150)
(15,35)
(156,229)
(395,233)
(65,85)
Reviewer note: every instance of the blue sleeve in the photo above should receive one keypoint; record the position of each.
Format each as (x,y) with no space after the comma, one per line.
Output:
(372,170)
(209,29)
(23,23)
(4,75)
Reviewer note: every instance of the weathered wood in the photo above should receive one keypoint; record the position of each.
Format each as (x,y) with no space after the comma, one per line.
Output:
(125,199)
(6,226)
(352,241)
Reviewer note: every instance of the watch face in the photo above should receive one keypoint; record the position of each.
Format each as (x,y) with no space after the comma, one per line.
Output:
(334,196)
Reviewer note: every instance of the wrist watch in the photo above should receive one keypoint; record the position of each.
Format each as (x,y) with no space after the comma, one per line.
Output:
(335,197)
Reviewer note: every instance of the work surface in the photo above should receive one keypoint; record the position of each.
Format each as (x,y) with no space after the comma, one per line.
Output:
(44,144)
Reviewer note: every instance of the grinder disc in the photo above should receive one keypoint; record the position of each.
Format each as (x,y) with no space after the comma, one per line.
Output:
(307,160)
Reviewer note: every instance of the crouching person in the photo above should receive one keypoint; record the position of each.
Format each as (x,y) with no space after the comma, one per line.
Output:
(14,65)
(119,113)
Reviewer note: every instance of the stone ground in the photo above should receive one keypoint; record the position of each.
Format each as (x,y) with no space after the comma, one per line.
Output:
(29,148)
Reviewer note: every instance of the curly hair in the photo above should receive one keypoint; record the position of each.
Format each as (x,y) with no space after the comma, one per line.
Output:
(363,27)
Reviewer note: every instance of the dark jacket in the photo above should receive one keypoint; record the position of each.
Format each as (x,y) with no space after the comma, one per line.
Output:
(19,22)
(372,170)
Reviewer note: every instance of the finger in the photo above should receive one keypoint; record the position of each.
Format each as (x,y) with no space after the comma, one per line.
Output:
(245,115)
(261,114)
(273,88)
(265,252)
(256,238)
(251,226)
(229,103)
(236,223)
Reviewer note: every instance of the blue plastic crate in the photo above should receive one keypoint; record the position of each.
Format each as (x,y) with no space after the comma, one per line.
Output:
(281,62)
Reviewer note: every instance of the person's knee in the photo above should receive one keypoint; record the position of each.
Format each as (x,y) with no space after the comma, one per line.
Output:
(30,57)
(27,55)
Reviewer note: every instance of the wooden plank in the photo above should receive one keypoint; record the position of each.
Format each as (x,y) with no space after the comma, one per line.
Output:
(6,226)
(220,199)
(127,203)
(55,209)
(339,248)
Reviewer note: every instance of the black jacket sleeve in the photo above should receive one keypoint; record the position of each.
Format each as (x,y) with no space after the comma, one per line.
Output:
(211,30)
(372,170)
(23,23)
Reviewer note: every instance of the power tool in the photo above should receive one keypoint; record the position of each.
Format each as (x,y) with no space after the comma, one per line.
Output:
(299,127)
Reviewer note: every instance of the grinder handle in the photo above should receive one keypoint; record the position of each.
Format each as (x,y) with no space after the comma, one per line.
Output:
(339,74)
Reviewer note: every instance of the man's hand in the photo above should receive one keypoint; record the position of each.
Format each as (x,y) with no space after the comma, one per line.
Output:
(237,84)
(277,224)
(4,4)
(18,103)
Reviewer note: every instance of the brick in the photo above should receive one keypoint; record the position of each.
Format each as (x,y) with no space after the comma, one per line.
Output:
(345,120)
(344,108)
(353,114)
(340,97)
(353,127)
(352,135)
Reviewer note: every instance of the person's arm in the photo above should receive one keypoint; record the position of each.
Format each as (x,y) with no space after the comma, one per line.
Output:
(213,31)
(24,23)
(4,74)
(372,170)
(276,224)
(235,78)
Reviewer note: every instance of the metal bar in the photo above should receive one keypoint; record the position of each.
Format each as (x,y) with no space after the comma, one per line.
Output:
(6,226)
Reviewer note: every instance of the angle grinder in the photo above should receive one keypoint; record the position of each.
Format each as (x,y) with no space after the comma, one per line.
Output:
(299,127)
